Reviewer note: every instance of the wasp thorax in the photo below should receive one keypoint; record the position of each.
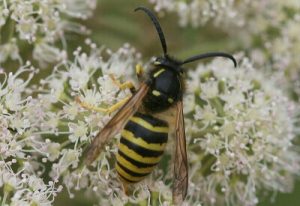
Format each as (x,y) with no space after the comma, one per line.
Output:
(165,89)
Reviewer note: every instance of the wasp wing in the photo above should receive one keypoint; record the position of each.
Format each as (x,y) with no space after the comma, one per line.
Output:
(180,183)
(115,124)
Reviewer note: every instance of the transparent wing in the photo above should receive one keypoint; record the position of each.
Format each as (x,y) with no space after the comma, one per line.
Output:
(180,183)
(115,124)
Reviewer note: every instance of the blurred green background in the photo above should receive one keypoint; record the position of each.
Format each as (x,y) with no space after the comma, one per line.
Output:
(114,23)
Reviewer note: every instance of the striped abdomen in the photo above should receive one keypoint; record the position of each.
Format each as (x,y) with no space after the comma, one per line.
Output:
(141,147)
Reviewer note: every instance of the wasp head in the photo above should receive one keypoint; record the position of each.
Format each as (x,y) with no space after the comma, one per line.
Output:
(169,63)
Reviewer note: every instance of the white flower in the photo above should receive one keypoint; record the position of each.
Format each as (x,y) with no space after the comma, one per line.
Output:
(10,50)
(53,150)
(241,136)
(71,111)
(77,131)
(46,53)
(268,29)
(42,23)
(253,16)
(78,78)
(79,8)
(234,124)
(69,160)
(21,145)
(86,78)
(120,61)
(281,53)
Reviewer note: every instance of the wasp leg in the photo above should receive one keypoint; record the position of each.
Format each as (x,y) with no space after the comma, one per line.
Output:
(100,109)
(124,185)
(139,70)
(122,86)
(125,189)
(125,85)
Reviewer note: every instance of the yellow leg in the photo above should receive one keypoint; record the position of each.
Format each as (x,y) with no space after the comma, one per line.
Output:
(100,109)
(125,85)
(126,189)
(122,86)
(139,70)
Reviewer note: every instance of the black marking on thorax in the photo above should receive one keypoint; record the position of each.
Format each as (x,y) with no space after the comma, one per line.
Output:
(165,89)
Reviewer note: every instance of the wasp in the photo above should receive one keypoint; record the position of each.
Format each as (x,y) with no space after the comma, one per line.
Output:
(143,134)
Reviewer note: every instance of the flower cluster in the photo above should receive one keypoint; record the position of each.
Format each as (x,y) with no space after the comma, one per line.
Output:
(22,149)
(40,23)
(23,188)
(89,79)
(280,54)
(241,135)
(270,31)
(239,130)
(253,15)
(240,125)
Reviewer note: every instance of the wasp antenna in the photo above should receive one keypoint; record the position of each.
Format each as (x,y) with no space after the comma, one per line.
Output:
(157,27)
(208,55)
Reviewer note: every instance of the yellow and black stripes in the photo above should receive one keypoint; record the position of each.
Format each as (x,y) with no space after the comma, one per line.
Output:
(156,74)
(141,146)
(141,150)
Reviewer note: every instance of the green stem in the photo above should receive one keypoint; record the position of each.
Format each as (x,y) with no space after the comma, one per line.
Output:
(62,145)
(9,31)
(155,198)
(206,165)
(65,97)
(6,193)
(143,203)
(217,105)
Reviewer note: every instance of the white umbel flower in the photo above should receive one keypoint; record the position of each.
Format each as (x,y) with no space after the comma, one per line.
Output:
(21,145)
(239,127)
(42,23)
(253,16)
(87,78)
(241,137)
(281,53)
